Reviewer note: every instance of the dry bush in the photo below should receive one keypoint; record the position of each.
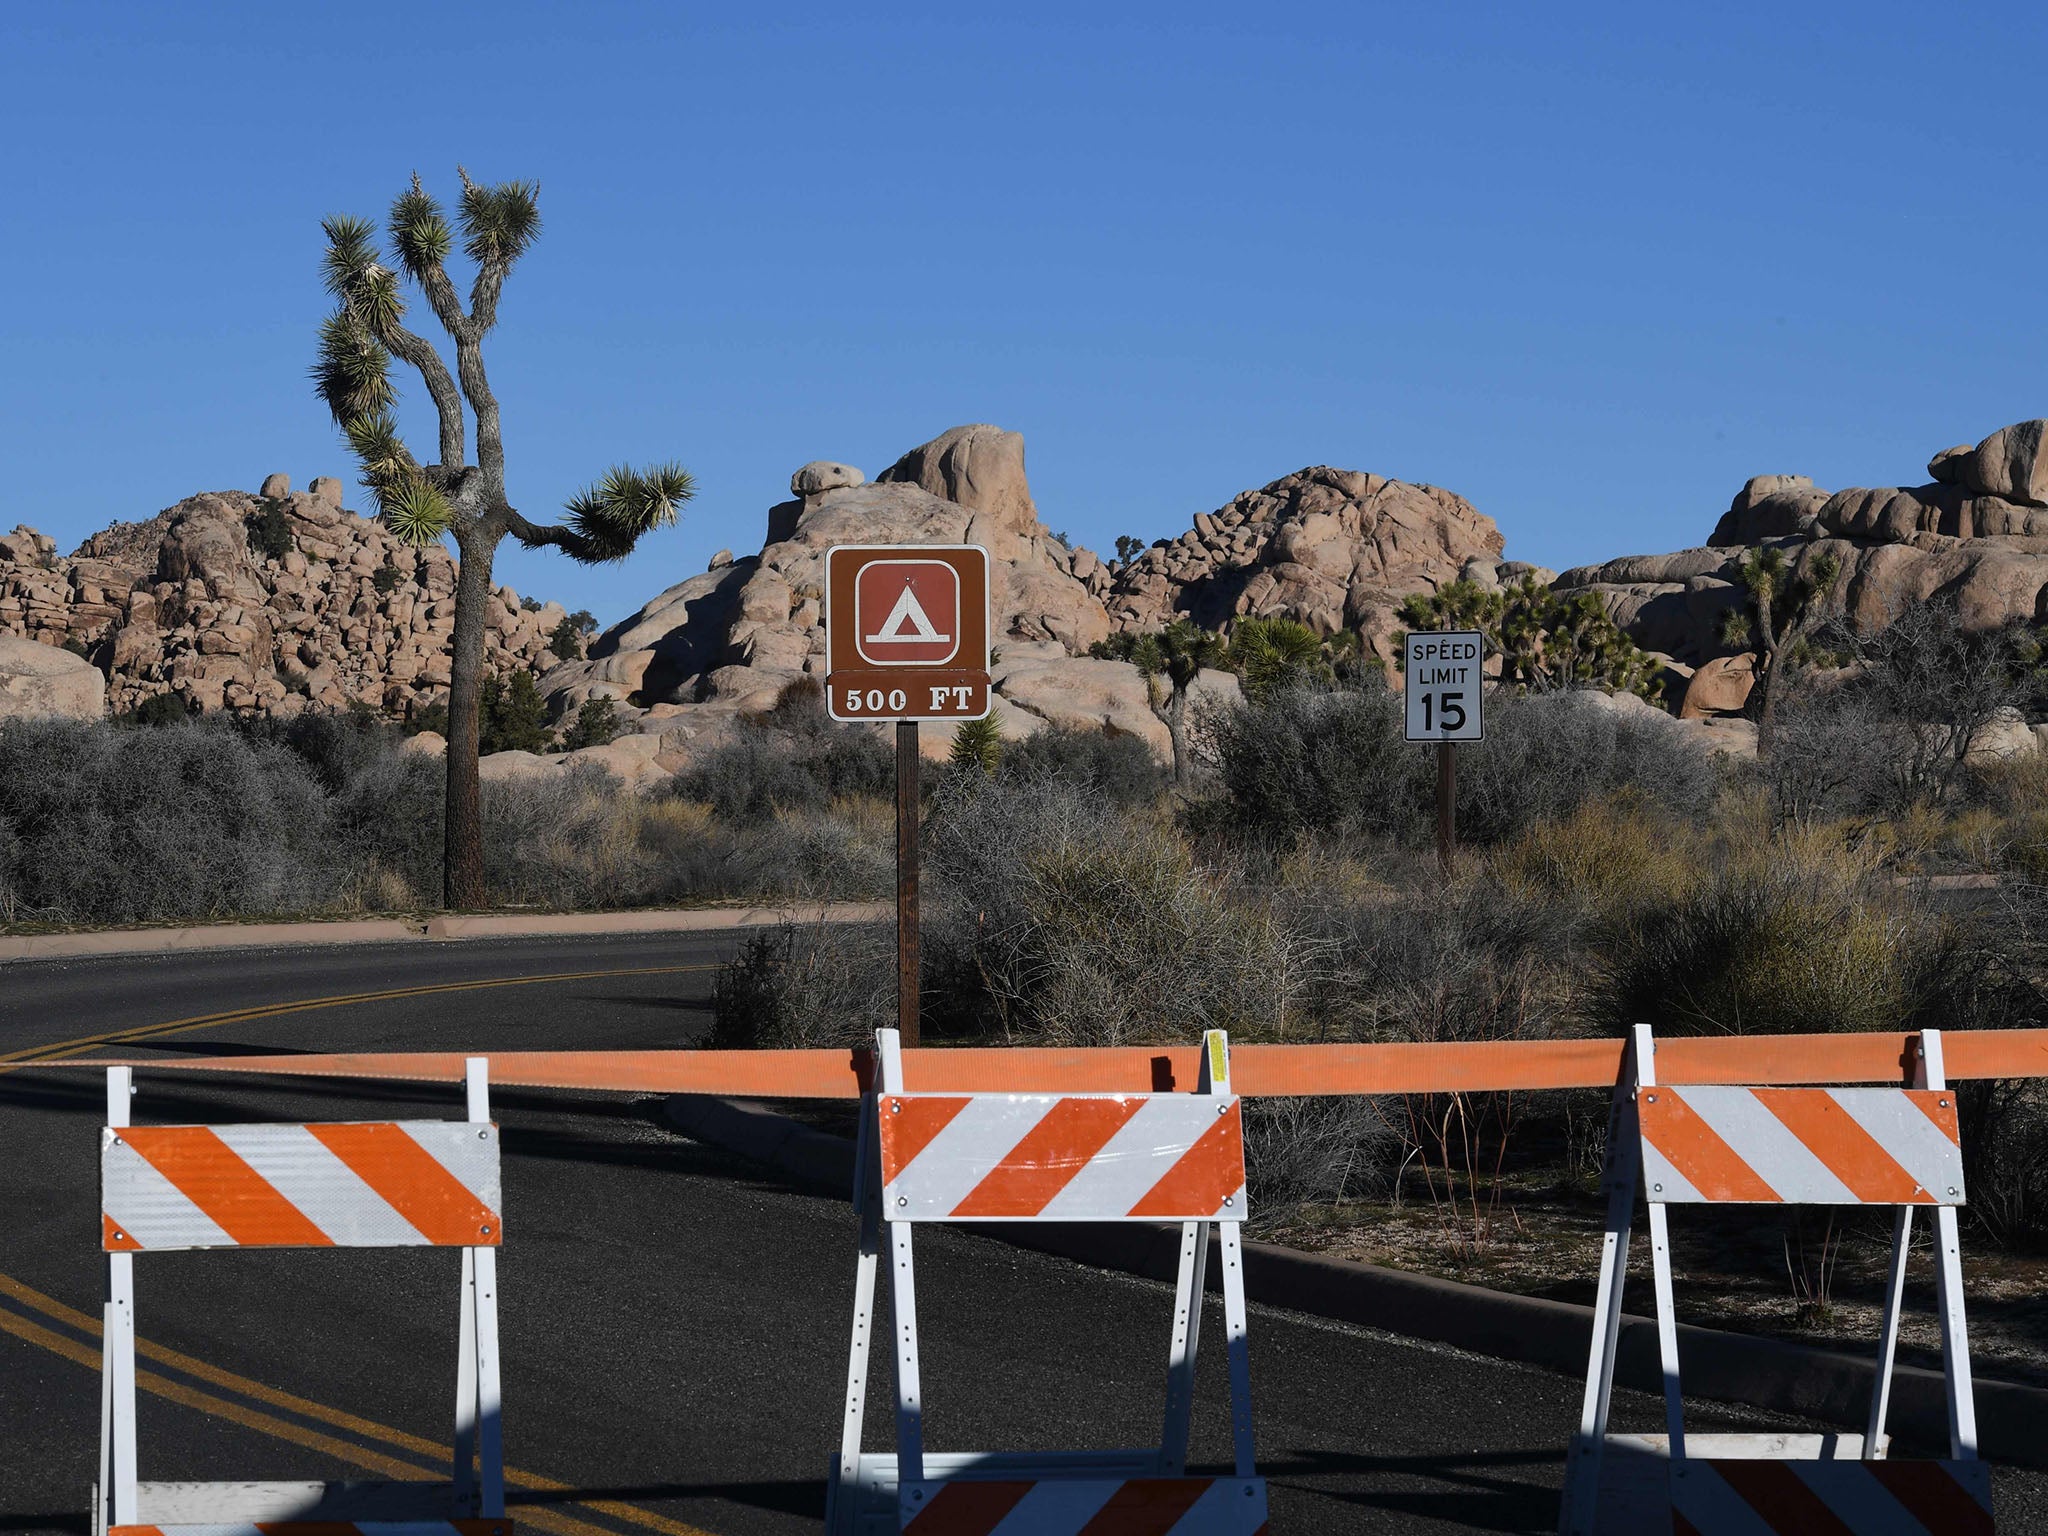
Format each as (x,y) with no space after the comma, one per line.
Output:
(1061,918)
(1306,1153)
(1802,932)
(801,985)
(1610,856)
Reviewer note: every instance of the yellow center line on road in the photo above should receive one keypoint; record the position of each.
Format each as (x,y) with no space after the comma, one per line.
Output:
(44,1054)
(368,1459)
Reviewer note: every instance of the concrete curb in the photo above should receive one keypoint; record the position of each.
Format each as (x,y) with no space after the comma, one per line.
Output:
(152,941)
(1763,1373)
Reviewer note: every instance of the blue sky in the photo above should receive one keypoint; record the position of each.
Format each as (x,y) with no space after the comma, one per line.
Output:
(1589,266)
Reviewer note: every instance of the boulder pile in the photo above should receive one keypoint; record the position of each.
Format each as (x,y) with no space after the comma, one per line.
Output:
(184,603)
(1332,548)
(1977,535)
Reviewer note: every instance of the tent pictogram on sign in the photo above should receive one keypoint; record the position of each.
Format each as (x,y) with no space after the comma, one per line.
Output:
(907,613)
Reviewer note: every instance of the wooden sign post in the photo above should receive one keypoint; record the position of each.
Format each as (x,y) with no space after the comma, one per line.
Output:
(906,639)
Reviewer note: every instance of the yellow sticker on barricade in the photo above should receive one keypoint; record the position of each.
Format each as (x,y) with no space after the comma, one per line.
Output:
(1219,1060)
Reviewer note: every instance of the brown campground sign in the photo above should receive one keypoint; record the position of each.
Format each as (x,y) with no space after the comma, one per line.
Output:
(906,632)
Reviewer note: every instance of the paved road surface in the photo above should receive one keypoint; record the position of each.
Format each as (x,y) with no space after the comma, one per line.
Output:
(675,1323)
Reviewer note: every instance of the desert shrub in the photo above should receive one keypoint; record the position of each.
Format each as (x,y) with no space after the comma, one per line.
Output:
(806,985)
(1304,1153)
(270,531)
(977,744)
(1803,933)
(1336,763)
(158,709)
(1121,768)
(1609,857)
(1062,918)
(1316,761)
(765,768)
(386,579)
(596,723)
(187,820)
(512,716)
(1546,754)
(2005,1159)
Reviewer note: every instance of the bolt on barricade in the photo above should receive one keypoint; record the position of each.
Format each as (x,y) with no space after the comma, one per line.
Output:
(1723,1144)
(1081,1157)
(411,1183)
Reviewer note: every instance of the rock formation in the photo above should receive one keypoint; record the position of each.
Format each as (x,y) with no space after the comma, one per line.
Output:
(1332,548)
(184,604)
(1976,536)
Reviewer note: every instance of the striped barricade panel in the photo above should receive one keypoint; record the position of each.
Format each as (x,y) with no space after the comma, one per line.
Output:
(1841,1498)
(376,1185)
(1062,1157)
(1801,1146)
(500,1527)
(1149,1506)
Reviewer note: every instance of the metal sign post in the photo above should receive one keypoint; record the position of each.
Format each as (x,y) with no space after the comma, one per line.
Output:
(906,639)
(1444,683)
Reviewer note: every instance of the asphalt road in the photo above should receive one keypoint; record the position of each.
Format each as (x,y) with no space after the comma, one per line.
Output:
(675,1324)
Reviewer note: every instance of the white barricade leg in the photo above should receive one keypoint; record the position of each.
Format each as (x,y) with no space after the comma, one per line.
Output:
(1948,1291)
(1645,1047)
(1888,1336)
(867,1204)
(909,1396)
(117,1352)
(1187,1338)
(1620,1171)
(490,1429)
(1238,1347)
(464,1479)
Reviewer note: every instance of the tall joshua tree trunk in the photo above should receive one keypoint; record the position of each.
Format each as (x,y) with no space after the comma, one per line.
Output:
(463,838)
(422,503)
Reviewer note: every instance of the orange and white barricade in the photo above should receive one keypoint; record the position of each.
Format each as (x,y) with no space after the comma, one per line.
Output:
(1716,1144)
(364,1185)
(1098,1157)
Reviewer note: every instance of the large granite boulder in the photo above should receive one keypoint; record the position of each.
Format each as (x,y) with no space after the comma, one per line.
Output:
(40,681)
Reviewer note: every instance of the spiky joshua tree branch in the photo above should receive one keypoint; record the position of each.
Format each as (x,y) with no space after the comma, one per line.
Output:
(450,497)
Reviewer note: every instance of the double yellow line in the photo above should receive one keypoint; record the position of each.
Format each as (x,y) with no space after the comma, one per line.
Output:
(63,1049)
(362,1451)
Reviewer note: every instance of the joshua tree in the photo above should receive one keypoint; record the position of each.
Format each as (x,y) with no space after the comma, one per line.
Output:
(1171,659)
(1544,639)
(1787,603)
(421,503)
(1270,655)
(978,744)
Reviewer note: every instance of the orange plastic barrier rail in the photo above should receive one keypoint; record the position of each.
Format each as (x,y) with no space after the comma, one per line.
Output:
(1258,1070)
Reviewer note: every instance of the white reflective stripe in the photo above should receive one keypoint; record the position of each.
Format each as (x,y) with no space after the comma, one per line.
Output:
(1056,1508)
(324,1189)
(1915,1142)
(148,1207)
(469,1155)
(1132,1161)
(946,1171)
(1711,1506)
(1662,1181)
(1225,1510)
(1851,1490)
(1764,1142)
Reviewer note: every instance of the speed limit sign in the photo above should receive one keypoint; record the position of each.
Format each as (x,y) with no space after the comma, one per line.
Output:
(1443,682)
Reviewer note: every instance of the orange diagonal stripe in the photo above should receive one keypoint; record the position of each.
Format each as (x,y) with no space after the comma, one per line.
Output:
(1146,1506)
(1048,1158)
(908,1126)
(1851,1153)
(967,1509)
(1781,1499)
(1940,1107)
(413,1183)
(207,1172)
(1691,1146)
(1200,1178)
(1933,1495)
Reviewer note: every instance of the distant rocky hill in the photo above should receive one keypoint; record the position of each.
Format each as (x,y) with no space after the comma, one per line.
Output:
(183,603)
(1976,536)
(1333,548)
(186,603)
